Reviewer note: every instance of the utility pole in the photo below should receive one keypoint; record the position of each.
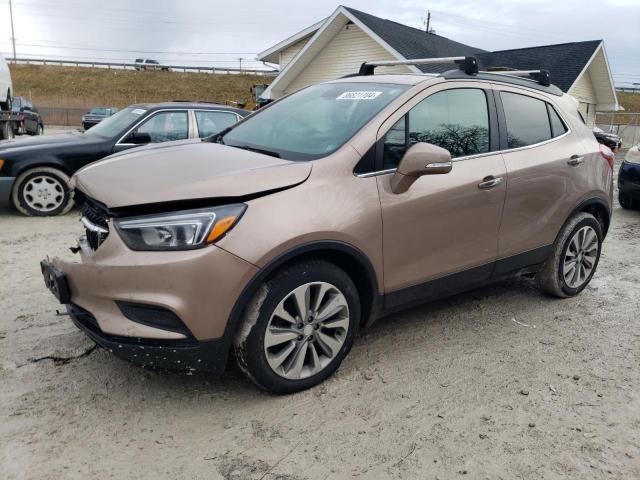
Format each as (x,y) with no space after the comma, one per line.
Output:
(428,20)
(13,35)
(240,59)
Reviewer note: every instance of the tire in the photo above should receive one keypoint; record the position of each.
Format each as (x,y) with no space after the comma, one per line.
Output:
(5,130)
(39,130)
(552,279)
(8,103)
(625,200)
(42,192)
(337,294)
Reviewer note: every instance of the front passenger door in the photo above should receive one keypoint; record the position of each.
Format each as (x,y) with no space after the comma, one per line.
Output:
(443,224)
(163,126)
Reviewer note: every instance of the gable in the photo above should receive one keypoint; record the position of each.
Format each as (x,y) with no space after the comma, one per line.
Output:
(290,52)
(343,55)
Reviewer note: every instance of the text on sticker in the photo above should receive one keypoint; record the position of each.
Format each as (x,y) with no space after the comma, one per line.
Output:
(358,95)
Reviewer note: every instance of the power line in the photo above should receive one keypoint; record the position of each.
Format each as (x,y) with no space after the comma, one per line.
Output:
(98,49)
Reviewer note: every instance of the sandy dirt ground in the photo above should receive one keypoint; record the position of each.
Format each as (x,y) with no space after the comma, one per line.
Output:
(498,383)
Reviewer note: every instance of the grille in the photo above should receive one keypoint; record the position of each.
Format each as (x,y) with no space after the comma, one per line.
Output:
(96,224)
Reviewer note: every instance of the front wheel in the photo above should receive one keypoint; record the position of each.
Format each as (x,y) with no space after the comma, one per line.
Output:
(298,327)
(42,192)
(625,200)
(574,257)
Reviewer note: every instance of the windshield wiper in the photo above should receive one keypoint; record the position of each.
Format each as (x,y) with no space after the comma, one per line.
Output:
(271,153)
(217,137)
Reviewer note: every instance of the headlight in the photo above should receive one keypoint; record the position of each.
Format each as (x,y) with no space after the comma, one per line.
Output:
(182,230)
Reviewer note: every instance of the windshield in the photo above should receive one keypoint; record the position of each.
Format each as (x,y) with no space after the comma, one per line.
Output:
(116,123)
(98,111)
(313,122)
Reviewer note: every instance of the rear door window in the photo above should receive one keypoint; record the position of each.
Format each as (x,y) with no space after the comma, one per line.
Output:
(527,120)
(210,122)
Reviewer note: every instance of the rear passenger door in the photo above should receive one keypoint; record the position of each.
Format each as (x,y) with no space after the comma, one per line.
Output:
(545,171)
(445,226)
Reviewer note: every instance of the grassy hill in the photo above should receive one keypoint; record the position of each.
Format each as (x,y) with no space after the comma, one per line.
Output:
(79,87)
(630,101)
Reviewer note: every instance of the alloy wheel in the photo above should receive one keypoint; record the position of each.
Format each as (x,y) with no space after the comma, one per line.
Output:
(580,257)
(307,330)
(43,193)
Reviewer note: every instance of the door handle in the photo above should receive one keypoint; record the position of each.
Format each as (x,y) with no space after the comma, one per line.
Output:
(575,160)
(490,182)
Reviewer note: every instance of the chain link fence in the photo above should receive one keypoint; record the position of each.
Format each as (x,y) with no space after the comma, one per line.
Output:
(625,125)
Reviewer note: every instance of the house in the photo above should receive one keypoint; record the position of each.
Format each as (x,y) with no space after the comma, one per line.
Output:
(337,45)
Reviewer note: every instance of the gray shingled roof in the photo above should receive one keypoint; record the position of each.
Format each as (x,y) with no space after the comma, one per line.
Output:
(564,61)
(411,42)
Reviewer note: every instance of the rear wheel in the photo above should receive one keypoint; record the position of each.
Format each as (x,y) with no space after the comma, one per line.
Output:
(42,192)
(574,257)
(298,327)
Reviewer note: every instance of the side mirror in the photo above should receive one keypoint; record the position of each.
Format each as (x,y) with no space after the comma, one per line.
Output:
(138,138)
(421,159)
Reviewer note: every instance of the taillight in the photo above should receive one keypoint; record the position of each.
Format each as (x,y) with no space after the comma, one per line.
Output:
(608,155)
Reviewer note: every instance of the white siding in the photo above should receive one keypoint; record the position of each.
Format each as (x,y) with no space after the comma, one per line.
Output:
(288,53)
(343,55)
(584,92)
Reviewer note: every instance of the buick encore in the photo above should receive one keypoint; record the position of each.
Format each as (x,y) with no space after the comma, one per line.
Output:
(284,235)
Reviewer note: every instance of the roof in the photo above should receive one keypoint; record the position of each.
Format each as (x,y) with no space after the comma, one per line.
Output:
(189,104)
(565,61)
(412,42)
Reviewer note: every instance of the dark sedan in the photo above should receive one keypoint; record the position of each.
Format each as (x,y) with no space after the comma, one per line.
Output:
(611,140)
(629,179)
(96,115)
(35,172)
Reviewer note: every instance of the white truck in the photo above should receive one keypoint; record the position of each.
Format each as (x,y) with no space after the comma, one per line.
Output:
(8,118)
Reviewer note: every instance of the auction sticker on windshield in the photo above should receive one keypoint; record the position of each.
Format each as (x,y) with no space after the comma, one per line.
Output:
(138,111)
(358,95)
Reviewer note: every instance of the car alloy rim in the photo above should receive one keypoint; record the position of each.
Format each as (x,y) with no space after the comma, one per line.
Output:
(580,257)
(43,193)
(307,330)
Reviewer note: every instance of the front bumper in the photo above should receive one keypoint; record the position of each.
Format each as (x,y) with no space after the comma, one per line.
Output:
(188,355)
(6,184)
(198,287)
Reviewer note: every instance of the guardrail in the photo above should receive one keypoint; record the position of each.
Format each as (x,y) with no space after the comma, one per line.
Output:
(133,66)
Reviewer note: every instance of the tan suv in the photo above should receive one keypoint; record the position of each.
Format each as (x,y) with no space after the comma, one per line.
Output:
(285,234)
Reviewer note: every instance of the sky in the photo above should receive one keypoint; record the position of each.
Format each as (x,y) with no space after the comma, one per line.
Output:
(200,32)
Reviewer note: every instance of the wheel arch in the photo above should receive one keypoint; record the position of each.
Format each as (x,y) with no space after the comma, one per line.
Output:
(597,207)
(48,163)
(352,260)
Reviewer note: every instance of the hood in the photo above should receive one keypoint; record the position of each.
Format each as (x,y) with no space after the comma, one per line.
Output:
(188,171)
(47,141)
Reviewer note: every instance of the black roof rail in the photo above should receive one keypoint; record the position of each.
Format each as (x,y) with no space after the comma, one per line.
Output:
(543,77)
(468,64)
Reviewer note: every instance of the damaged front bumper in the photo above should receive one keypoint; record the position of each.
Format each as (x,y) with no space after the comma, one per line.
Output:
(190,355)
(160,309)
